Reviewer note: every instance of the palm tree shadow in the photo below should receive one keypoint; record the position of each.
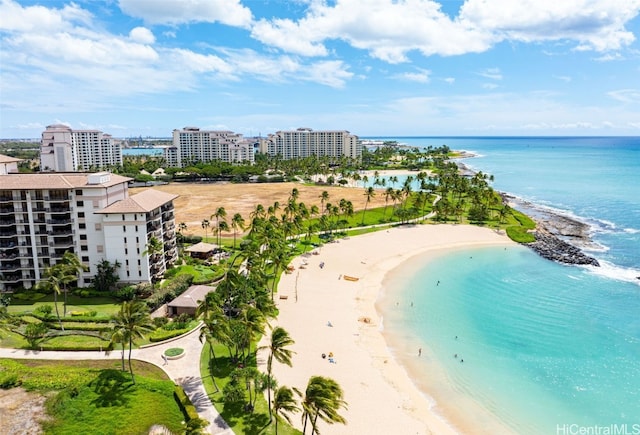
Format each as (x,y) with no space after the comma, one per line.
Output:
(112,387)
(198,396)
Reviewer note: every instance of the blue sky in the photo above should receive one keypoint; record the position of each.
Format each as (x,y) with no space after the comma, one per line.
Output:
(373,67)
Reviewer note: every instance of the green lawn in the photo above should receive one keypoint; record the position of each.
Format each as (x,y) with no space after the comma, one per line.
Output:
(96,397)
(103,306)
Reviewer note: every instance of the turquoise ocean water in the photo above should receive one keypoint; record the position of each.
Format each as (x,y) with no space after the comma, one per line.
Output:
(545,346)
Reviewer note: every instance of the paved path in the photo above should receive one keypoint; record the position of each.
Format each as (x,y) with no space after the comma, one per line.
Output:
(184,371)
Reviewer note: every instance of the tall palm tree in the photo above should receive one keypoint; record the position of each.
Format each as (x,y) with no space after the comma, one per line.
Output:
(280,339)
(323,197)
(219,215)
(284,403)
(322,398)
(369,193)
(53,278)
(205,224)
(237,222)
(73,269)
(154,248)
(223,227)
(131,322)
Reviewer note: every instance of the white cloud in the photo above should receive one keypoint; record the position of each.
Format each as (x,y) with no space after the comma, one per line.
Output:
(593,24)
(626,95)
(230,12)
(489,86)
(389,29)
(565,79)
(491,73)
(420,76)
(142,35)
(450,80)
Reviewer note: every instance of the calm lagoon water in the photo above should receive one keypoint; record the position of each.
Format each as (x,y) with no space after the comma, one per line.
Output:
(543,344)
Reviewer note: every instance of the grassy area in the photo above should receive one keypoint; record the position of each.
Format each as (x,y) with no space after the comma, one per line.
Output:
(96,397)
(241,421)
(103,306)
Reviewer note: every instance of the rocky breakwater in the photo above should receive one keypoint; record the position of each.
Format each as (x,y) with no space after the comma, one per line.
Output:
(551,247)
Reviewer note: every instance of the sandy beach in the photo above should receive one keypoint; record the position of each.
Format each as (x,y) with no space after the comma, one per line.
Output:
(380,394)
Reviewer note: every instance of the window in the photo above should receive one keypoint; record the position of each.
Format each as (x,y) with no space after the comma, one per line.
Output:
(96,204)
(84,248)
(83,237)
(98,227)
(122,217)
(81,214)
(85,259)
(126,251)
(80,203)
(139,273)
(100,248)
(136,228)
(124,228)
(138,249)
(137,239)
(138,262)
(78,192)
(128,273)
(126,262)
(82,226)
(125,240)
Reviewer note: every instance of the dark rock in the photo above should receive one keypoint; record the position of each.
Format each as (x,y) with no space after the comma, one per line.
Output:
(549,246)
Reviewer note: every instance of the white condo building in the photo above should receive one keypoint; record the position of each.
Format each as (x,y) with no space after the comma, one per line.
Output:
(44,215)
(305,142)
(192,145)
(63,149)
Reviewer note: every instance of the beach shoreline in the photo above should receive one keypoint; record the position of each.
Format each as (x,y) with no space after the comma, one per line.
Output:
(326,313)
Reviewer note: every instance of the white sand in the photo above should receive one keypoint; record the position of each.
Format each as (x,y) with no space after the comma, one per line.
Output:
(381,397)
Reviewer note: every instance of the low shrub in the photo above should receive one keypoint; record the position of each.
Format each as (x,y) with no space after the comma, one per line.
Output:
(185,404)
(43,311)
(9,380)
(162,334)
(83,313)
(174,351)
(28,296)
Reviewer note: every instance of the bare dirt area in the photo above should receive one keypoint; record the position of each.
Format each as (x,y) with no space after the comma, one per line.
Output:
(21,412)
(198,201)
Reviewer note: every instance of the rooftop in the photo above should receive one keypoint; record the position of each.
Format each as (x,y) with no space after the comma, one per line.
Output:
(58,180)
(142,202)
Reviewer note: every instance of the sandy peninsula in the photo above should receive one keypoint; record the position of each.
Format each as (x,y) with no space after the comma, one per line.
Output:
(380,394)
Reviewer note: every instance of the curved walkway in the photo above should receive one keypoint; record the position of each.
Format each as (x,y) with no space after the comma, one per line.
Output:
(184,371)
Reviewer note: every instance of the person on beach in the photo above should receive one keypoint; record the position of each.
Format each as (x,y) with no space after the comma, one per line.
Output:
(164,358)
(420,352)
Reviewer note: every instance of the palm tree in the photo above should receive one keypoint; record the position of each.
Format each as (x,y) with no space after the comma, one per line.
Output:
(205,224)
(322,398)
(73,269)
(224,226)
(219,215)
(323,197)
(237,222)
(369,192)
(283,403)
(154,248)
(280,339)
(53,278)
(131,322)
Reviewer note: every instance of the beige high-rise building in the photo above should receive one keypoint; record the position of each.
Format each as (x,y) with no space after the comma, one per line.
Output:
(305,142)
(44,215)
(192,145)
(63,149)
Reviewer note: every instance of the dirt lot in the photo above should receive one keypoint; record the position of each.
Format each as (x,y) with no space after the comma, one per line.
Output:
(21,412)
(199,201)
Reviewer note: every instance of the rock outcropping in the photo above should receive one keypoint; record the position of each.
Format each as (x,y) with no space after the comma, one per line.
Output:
(549,246)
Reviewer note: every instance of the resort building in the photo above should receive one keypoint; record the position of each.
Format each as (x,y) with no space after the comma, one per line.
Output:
(304,142)
(63,150)
(44,215)
(192,145)
(8,164)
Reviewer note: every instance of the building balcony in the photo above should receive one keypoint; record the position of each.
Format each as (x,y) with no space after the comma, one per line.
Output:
(5,234)
(7,223)
(6,210)
(59,221)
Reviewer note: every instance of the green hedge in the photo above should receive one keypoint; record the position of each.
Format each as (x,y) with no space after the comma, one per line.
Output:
(71,327)
(162,335)
(106,346)
(185,404)
(169,292)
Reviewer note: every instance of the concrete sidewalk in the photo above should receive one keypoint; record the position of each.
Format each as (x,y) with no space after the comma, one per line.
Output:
(184,371)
